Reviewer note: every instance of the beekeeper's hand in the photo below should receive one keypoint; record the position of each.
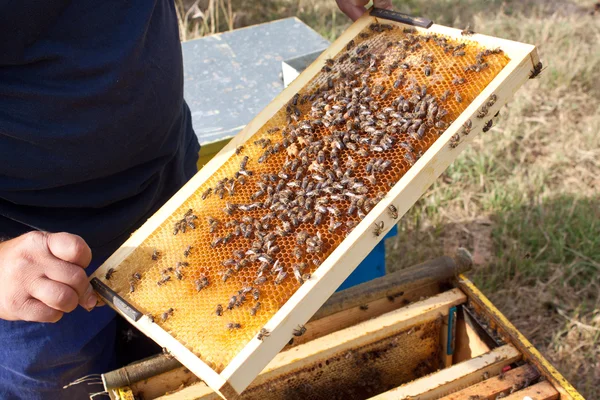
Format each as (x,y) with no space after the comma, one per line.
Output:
(42,276)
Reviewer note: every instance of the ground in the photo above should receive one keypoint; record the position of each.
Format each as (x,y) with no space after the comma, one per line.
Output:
(525,198)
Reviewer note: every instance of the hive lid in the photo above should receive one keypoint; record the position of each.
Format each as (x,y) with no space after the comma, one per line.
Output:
(172,292)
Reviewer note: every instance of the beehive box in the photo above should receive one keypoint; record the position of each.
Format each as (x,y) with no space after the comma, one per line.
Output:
(263,235)
(408,334)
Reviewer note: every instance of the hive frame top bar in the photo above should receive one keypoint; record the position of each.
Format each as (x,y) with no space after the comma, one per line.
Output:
(248,363)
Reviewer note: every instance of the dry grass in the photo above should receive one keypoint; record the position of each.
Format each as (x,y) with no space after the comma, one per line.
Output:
(525,198)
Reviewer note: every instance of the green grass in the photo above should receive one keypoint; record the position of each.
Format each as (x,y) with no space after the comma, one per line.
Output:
(525,197)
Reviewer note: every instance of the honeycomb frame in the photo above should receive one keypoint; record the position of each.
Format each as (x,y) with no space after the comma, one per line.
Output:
(238,372)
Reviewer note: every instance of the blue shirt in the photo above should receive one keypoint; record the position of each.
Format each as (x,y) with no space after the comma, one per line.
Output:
(94,132)
(94,137)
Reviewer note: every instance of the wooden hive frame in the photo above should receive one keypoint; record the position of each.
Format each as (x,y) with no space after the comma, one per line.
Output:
(248,363)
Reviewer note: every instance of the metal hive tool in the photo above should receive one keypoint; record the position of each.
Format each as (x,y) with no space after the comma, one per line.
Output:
(223,258)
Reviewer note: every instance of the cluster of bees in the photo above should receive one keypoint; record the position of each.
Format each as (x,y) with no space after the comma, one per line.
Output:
(336,168)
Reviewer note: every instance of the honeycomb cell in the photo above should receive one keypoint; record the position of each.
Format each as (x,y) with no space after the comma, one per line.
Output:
(301,182)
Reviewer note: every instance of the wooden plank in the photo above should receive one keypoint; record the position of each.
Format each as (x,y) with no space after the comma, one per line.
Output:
(512,334)
(460,375)
(362,312)
(308,298)
(539,391)
(381,295)
(501,384)
(349,338)
(396,284)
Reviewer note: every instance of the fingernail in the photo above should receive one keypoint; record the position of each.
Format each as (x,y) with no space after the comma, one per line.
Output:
(90,300)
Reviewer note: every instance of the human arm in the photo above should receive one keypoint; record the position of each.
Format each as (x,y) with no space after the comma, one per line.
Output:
(355,8)
(42,276)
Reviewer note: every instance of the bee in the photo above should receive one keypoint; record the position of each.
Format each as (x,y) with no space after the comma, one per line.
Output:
(219,310)
(483,112)
(458,53)
(467,127)
(166,314)
(260,280)
(299,331)
(187,251)
(378,229)
(467,31)
(136,276)
(297,252)
(177,227)
(241,299)
(364,307)
(178,274)
(298,272)
(280,277)
(444,96)
(254,309)
(244,162)
(215,242)
(297,96)
(155,255)
(131,287)
(150,317)
(454,141)
(458,80)
(263,334)
(537,69)
(409,158)
(501,376)
(233,325)
(488,125)
(226,274)
(232,302)
(458,97)
(427,70)
(393,211)
(492,100)
(201,282)
(109,273)
(333,225)
(363,35)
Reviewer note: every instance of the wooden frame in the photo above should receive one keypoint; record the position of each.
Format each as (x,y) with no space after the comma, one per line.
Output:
(459,375)
(495,386)
(244,367)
